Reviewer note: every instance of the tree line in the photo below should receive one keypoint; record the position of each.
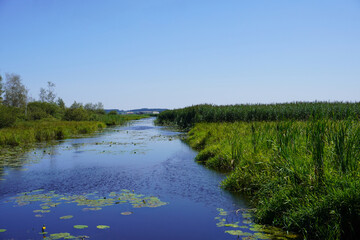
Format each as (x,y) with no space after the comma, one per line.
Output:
(16,105)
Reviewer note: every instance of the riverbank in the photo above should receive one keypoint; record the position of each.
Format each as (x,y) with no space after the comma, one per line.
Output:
(301,176)
(28,132)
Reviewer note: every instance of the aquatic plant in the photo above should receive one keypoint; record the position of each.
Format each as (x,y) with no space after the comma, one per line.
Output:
(187,117)
(301,175)
(248,228)
(80,226)
(126,213)
(103,227)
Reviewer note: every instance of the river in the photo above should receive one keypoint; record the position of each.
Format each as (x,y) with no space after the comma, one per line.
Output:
(139,181)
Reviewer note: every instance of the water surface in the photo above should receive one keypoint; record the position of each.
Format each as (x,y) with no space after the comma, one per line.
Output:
(139,158)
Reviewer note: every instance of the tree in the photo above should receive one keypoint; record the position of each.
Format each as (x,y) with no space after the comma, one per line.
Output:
(16,94)
(1,89)
(48,95)
(60,103)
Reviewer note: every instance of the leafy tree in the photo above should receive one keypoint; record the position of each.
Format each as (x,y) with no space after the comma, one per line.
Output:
(16,94)
(48,95)
(76,112)
(60,103)
(40,110)
(113,112)
(95,108)
(1,89)
(76,105)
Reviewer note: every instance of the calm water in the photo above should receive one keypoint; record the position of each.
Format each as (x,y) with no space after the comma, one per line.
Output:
(142,158)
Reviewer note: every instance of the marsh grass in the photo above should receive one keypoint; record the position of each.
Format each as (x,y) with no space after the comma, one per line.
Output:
(37,131)
(302,176)
(303,111)
(28,132)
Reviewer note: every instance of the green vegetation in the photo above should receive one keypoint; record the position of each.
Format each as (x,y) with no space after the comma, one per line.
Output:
(302,176)
(27,132)
(23,122)
(188,116)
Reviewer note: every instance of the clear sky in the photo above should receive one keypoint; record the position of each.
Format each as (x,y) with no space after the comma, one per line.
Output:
(176,53)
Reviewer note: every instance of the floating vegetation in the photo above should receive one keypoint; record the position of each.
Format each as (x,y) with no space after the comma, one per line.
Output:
(41,211)
(91,201)
(250,230)
(102,227)
(80,226)
(126,213)
(2,230)
(92,209)
(61,235)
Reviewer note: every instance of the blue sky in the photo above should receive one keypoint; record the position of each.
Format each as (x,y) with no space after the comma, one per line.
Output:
(176,53)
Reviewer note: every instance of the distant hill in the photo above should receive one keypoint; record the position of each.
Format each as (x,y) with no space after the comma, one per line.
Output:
(137,111)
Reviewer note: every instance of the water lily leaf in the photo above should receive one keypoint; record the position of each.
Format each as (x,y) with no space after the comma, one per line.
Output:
(61,235)
(92,209)
(80,226)
(102,227)
(67,217)
(41,211)
(233,225)
(2,230)
(238,233)
(38,215)
(43,233)
(126,213)
(261,236)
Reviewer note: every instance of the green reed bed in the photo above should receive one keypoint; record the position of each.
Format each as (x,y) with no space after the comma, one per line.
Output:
(23,133)
(187,117)
(302,176)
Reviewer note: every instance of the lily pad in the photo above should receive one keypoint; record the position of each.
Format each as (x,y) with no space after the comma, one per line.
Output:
(126,213)
(238,233)
(2,230)
(38,215)
(92,209)
(80,226)
(102,227)
(67,217)
(61,235)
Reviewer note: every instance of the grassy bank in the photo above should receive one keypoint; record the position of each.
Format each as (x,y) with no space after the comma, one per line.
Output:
(299,163)
(302,176)
(24,133)
(27,132)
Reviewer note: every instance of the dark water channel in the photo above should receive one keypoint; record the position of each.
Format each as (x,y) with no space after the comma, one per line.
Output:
(97,178)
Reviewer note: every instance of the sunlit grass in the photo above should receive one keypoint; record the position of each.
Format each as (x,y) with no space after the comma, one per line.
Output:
(302,176)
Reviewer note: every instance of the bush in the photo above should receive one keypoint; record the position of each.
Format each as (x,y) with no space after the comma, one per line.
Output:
(8,115)
(76,114)
(40,110)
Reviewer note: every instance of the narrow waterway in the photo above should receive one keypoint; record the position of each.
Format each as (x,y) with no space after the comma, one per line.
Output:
(139,180)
